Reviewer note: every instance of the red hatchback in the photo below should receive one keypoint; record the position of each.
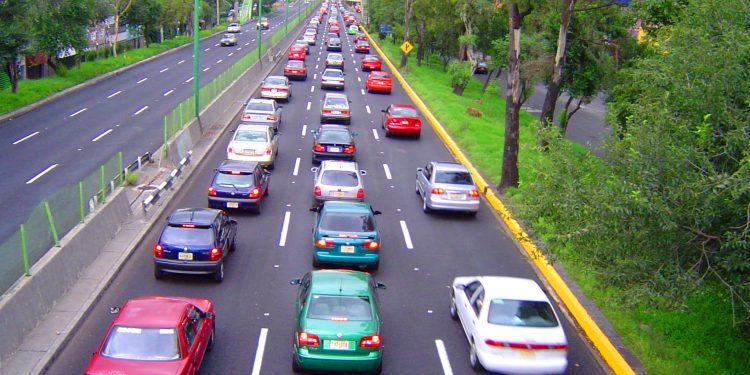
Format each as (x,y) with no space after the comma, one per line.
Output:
(296,52)
(362,46)
(295,69)
(379,81)
(401,119)
(335,29)
(155,336)
(371,62)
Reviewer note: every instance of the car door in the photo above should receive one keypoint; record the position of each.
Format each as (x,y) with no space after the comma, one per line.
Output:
(423,180)
(463,305)
(191,344)
(230,230)
(384,118)
(260,179)
(477,302)
(220,232)
(277,112)
(203,334)
(274,137)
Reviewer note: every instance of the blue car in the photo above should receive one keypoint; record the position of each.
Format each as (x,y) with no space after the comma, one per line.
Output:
(195,241)
(239,185)
(346,234)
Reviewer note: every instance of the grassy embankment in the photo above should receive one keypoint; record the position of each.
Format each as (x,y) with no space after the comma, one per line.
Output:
(700,340)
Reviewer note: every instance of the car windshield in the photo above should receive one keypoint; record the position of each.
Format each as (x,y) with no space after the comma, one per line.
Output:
(276,81)
(228,36)
(259,106)
(295,64)
(339,178)
(227,178)
(332,307)
(507,312)
(335,56)
(334,136)
(334,41)
(333,73)
(458,178)
(347,222)
(251,136)
(363,43)
(142,344)
(404,112)
(336,103)
(177,235)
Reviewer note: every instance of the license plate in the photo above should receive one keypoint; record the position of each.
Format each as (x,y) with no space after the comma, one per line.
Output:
(338,193)
(185,256)
(258,117)
(249,152)
(338,344)
(233,205)
(273,91)
(334,149)
(347,249)
(526,353)
(456,196)
(336,112)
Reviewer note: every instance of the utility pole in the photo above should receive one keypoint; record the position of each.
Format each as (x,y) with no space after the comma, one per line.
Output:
(260,30)
(196,53)
(286,16)
(217,13)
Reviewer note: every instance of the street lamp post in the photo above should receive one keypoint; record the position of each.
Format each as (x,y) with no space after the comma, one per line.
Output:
(260,29)
(286,17)
(196,52)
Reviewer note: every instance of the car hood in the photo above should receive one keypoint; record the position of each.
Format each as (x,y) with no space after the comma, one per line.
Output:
(109,366)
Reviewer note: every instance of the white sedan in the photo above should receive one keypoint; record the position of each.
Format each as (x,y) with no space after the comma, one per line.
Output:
(510,324)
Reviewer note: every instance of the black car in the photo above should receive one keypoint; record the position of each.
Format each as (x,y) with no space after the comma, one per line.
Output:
(481,68)
(239,184)
(333,142)
(195,241)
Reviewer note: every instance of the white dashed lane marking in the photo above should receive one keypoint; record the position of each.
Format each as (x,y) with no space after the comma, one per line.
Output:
(168,92)
(163,70)
(25,138)
(443,354)
(114,94)
(284,229)
(375,134)
(138,112)
(407,236)
(100,136)
(387,171)
(77,112)
(42,173)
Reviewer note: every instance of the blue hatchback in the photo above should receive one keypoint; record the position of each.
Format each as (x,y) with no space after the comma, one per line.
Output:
(346,233)
(240,185)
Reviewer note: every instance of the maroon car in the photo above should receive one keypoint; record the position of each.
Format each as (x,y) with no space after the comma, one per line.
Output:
(295,69)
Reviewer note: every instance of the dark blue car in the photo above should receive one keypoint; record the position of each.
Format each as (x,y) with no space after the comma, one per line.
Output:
(239,185)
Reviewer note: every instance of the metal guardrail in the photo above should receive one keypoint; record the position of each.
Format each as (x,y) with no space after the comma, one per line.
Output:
(166,184)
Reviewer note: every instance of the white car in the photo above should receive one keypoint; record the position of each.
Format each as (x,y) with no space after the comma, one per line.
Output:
(233,27)
(258,143)
(510,324)
(276,87)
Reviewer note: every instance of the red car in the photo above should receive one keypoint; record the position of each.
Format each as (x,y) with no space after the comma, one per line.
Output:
(371,62)
(156,335)
(296,52)
(401,119)
(379,81)
(295,69)
(336,29)
(362,46)
(360,36)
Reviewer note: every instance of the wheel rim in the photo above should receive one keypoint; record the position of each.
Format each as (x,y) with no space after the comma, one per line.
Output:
(473,355)
(221,270)
(453,307)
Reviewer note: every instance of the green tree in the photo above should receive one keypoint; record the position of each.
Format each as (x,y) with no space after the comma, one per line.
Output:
(13,36)
(61,24)
(145,13)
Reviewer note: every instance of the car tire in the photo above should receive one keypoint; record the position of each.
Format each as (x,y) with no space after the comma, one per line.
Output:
(158,273)
(219,275)
(212,339)
(425,207)
(387,133)
(271,166)
(259,208)
(473,214)
(295,365)
(265,193)
(378,370)
(418,136)
(375,266)
(348,121)
(473,358)
(315,262)
(233,246)
(453,308)
(416,188)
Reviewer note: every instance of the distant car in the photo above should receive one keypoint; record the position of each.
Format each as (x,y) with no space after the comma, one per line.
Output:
(303,43)
(262,24)
(337,323)
(228,40)
(296,52)
(510,324)
(263,112)
(312,30)
(239,185)
(156,335)
(481,68)
(371,62)
(360,36)
(195,241)
(335,60)
(333,44)
(447,186)
(401,119)
(258,143)
(309,39)
(335,107)
(276,87)
(362,46)
(338,180)
(352,30)
(234,27)
(329,36)
(380,82)
(333,142)
(346,234)
(295,69)
(335,28)
(332,78)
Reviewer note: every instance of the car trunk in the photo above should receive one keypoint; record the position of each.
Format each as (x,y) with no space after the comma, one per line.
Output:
(340,338)
(349,243)
(245,148)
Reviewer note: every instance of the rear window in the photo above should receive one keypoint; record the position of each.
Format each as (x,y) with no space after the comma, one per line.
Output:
(275,81)
(333,73)
(379,75)
(340,178)
(295,64)
(458,178)
(335,56)
(142,344)
(228,36)
(331,307)
(404,112)
(251,136)
(347,222)
(336,103)
(177,235)
(259,106)
(506,312)
(226,178)
(334,136)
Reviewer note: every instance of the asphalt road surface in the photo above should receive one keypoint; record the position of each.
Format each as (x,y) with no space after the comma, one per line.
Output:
(421,254)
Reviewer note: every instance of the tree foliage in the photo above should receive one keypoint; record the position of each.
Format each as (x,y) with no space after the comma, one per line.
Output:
(13,36)
(61,24)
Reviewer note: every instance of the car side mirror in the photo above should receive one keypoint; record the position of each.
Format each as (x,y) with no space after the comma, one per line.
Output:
(313,131)
(314,169)
(376,212)
(363,172)
(114,310)
(419,169)
(295,282)
(232,221)
(210,315)
(315,209)
(381,286)
(460,287)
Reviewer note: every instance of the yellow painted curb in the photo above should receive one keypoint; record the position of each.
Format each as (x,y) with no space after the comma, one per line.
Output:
(608,351)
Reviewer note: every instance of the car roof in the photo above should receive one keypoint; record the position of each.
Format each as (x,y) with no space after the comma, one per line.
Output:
(200,216)
(338,165)
(333,127)
(340,282)
(448,166)
(512,288)
(237,165)
(253,127)
(345,206)
(152,312)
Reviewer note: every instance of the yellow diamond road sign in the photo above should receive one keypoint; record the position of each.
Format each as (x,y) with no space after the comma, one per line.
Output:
(407,47)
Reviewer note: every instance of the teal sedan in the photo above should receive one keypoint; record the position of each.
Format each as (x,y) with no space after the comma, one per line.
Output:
(346,234)
(338,323)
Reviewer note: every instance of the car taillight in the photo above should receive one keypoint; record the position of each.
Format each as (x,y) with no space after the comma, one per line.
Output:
(214,254)
(473,193)
(371,245)
(229,150)
(271,118)
(307,339)
(264,88)
(344,112)
(516,345)
(268,151)
(438,191)
(212,191)
(326,111)
(360,193)
(255,193)
(246,117)
(319,148)
(282,89)
(370,342)
(323,243)
(349,150)
(158,251)
(317,191)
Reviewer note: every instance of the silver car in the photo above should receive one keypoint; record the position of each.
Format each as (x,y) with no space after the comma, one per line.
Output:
(228,40)
(335,60)
(335,107)
(332,78)
(447,186)
(262,112)
(258,143)
(338,180)
(276,87)
(309,39)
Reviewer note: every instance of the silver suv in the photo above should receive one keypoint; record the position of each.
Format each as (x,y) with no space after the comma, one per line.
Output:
(335,107)
(447,186)
(338,180)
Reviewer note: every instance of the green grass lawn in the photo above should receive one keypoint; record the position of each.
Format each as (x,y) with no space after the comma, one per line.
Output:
(699,340)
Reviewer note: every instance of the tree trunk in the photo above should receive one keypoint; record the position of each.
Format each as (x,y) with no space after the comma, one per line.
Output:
(509,176)
(420,45)
(407,23)
(117,31)
(10,68)
(546,117)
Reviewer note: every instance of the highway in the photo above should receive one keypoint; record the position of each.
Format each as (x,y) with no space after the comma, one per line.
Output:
(421,254)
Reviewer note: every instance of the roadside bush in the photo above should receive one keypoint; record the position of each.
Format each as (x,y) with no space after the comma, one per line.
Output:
(461,74)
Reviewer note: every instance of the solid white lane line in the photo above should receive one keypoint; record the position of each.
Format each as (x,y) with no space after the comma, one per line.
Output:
(77,112)
(180,62)
(407,236)
(219,61)
(387,171)
(114,94)
(363,91)
(168,92)
(188,80)
(138,112)
(296,167)
(163,70)
(375,134)
(443,354)
(143,80)
(42,173)
(312,88)
(259,352)
(308,105)
(98,137)
(25,138)
(367,107)
(230,54)
(285,229)
(205,70)
(304,130)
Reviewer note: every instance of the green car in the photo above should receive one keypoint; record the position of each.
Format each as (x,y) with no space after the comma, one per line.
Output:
(338,323)
(352,30)
(346,234)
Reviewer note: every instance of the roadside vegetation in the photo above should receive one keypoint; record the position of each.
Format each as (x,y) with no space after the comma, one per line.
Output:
(655,232)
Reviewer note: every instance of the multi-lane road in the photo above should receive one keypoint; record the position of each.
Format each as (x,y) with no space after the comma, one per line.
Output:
(421,253)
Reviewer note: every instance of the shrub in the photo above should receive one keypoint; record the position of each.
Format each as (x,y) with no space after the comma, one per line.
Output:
(460,73)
